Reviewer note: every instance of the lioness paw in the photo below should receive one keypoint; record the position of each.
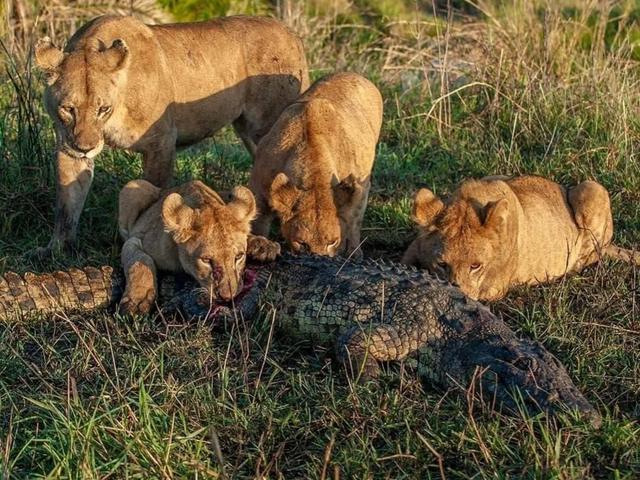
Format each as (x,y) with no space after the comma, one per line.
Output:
(262,249)
(136,306)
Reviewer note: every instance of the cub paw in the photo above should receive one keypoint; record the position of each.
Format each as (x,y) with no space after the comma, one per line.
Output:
(262,249)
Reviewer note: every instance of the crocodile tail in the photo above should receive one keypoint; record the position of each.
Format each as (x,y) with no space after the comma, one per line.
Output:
(72,290)
(624,254)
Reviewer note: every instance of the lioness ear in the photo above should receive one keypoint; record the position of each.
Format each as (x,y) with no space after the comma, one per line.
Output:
(48,58)
(426,206)
(496,215)
(177,217)
(283,195)
(242,204)
(117,55)
(345,191)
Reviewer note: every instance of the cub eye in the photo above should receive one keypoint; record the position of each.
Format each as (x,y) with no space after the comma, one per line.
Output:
(475,266)
(104,110)
(239,256)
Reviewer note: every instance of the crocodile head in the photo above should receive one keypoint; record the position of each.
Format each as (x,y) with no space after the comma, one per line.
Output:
(197,303)
(509,370)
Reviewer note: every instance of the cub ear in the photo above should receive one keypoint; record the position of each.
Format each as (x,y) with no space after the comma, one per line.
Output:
(242,204)
(283,195)
(117,55)
(496,214)
(345,191)
(426,206)
(48,58)
(177,217)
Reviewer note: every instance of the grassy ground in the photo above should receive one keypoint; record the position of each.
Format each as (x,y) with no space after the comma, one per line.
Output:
(528,87)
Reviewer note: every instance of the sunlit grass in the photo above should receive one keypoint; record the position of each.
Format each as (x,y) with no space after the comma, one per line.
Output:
(521,87)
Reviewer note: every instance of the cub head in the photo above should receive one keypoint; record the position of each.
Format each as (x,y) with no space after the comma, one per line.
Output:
(471,244)
(311,219)
(211,238)
(82,91)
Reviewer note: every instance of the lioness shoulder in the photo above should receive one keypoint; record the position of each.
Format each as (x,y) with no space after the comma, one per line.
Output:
(313,169)
(497,232)
(188,228)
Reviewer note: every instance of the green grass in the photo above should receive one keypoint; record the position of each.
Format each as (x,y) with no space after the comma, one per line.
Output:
(98,396)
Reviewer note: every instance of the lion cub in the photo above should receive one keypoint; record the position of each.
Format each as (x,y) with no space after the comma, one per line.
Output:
(187,228)
(313,168)
(498,232)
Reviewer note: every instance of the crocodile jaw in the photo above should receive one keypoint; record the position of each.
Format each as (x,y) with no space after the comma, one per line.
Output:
(507,367)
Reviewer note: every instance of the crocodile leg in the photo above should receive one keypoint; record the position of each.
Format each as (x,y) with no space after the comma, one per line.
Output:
(361,348)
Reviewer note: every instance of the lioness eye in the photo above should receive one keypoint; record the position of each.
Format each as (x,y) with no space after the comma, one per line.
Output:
(104,110)
(334,243)
(474,266)
(67,109)
(239,256)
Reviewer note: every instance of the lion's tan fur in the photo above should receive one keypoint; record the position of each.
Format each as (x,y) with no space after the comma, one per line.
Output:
(313,168)
(187,228)
(153,88)
(494,233)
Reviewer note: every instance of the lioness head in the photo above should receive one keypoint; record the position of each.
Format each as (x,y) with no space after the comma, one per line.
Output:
(82,91)
(471,244)
(310,219)
(212,237)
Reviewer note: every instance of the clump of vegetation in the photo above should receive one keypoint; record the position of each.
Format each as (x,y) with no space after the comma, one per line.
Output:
(509,87)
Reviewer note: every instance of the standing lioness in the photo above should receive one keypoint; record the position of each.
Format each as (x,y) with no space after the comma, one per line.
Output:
(152,88)
(313,168)
(498,232)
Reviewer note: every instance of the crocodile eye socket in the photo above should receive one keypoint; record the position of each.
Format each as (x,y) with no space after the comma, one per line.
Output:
(475,267)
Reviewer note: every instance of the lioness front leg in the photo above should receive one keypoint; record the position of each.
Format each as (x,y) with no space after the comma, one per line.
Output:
(73,181)
(140,273)
(158,161)
(262,249)
(352,244)
(262,224)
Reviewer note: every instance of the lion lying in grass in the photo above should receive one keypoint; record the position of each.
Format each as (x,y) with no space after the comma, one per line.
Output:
(313,168)
(187,228)
(498,232)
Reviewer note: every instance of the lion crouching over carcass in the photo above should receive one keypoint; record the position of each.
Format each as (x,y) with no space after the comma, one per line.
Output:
(152,88)
(498,232)
(189,229)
